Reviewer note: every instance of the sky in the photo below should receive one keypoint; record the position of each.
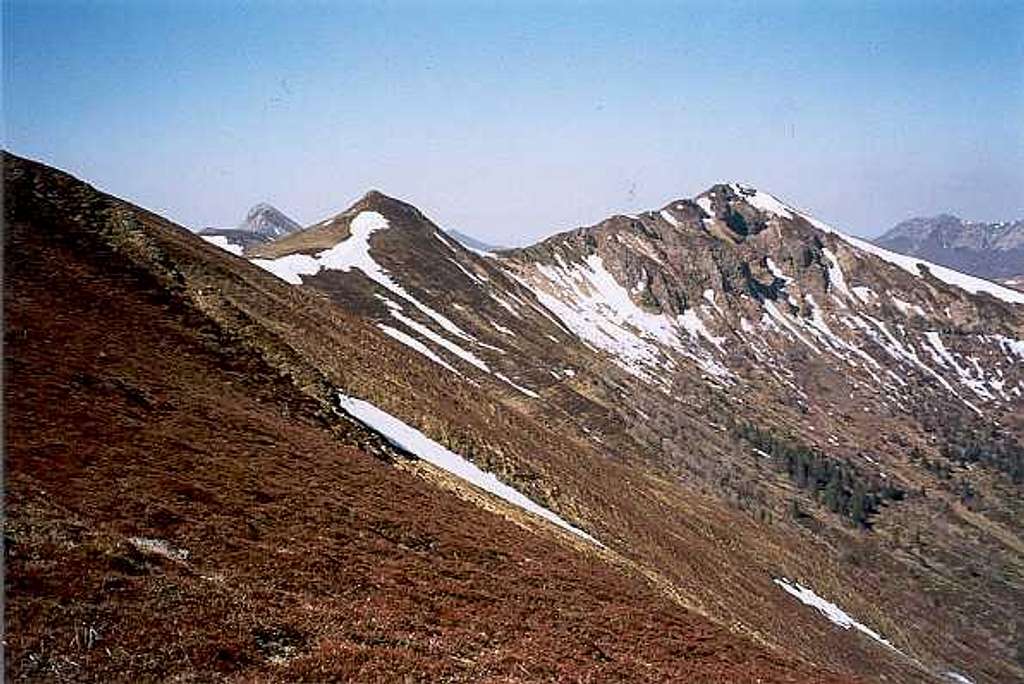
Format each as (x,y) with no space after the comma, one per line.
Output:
(512,121)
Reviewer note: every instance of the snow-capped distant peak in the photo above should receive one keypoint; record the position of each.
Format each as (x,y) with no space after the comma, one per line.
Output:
(266,220)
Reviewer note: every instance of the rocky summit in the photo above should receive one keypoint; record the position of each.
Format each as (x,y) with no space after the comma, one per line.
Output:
(719,440)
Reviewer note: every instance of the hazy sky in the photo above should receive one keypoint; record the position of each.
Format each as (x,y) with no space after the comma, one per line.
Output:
(511,122)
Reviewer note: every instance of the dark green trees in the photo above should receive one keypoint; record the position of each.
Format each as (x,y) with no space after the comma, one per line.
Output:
(838,485)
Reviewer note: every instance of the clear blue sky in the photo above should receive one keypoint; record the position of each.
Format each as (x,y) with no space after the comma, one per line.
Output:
(510,122)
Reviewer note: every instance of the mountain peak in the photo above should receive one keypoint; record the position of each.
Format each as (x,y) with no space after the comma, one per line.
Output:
(266,220)
(336,228)
(374,194)
(263,223)
(988,250)
(261,207)
(390,207)
(743,209)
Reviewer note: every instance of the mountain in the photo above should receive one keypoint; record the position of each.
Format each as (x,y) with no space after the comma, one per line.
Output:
(189,493)
(990,250)
(731,345)
(262,224)
(716,441)
(472,243)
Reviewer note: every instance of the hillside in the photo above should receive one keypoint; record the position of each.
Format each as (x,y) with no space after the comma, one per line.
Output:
(184,501)
(861,410)
(796,454)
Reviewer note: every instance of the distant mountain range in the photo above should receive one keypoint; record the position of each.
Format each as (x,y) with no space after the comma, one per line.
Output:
(263,223)
(989,250)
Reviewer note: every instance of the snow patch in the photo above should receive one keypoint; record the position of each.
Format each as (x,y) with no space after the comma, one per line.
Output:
(864,293)
(705,205)
(223,243)
(975,382)
(672,220)
(525,390)
(709,296)
(774,314)
(415,442)
(777,272)
(467,356)
(1011,346)
(416,345)
(504,304)
(693,325)
(444,241)
(830,610)
(472,276)
(762,201)
(906,308)
(835,274)
(353,253)
(500,328)
(590,303)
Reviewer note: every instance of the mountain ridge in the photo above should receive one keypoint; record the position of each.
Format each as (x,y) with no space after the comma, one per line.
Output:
(473,243)
(187,446)
(771,425)
(730,225)
(723,298)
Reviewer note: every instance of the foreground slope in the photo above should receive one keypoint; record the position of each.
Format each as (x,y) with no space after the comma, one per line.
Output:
(184,500)
(750,400)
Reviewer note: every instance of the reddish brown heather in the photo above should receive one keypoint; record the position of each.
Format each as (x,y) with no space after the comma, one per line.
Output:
(285,552)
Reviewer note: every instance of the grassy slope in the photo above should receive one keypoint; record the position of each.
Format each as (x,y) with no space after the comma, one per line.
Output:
(129,414)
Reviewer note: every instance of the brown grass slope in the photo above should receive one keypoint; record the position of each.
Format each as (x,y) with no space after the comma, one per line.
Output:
(278,549)
(671,488)
(703,550)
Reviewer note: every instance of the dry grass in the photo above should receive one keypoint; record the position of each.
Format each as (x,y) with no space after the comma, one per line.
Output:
(280,550)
